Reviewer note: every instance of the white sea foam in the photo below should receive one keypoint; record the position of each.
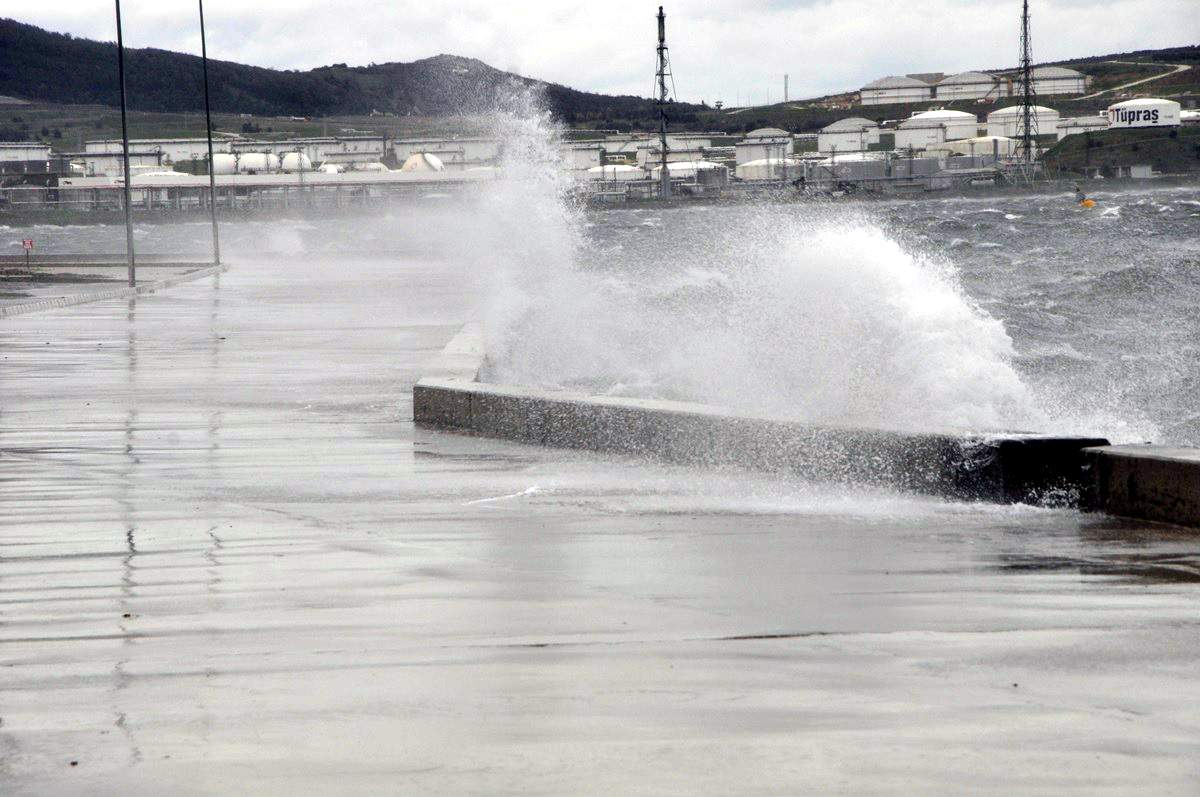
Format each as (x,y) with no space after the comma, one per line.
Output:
(823,317)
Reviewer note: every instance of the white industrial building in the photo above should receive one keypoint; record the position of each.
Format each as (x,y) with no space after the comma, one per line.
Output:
(110,164)
(1081,124)
(998,146)
(617,172)
(769,169)
(1051,80)
(347,149)
(848,135)
(895,89)
(967,86)
(687,141)
(581,156)
(1146,112)
(647,156)
(688,169)
(934,127)
(24,152)
(173,150)
(1007,121)
(765,143)
(457,154)
(623,146)
(680,147)
(324,149)
(344,149)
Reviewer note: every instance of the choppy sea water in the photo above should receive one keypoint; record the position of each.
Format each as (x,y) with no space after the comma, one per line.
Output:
(1000,312)
(1005,311)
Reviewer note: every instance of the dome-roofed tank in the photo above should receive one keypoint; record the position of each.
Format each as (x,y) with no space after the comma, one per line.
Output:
(1144,112)
(616,171)
(296,162)
(258,163)
(423,162)
(225,163)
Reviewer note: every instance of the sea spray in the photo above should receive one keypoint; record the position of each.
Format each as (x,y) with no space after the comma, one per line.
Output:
(792,310)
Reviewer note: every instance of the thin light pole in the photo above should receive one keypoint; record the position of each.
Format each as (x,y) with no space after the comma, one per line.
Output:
(212,166)
(664,70)
(125,150)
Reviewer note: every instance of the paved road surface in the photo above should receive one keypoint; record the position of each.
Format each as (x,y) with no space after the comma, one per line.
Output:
(229,563)
(1176,69)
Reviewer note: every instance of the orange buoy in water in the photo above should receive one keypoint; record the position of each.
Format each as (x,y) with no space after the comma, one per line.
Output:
(1088,203)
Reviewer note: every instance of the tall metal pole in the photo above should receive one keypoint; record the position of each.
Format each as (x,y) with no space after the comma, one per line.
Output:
(125,150)
(1027,121)
(663,71)
(212,167)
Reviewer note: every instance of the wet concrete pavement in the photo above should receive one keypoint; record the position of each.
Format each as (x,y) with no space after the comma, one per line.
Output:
(229,563)
(23,288)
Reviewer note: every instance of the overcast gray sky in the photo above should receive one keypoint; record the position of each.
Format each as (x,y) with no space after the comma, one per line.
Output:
(720,49)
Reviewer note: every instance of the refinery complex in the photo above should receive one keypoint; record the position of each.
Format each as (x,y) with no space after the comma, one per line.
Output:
(931,148)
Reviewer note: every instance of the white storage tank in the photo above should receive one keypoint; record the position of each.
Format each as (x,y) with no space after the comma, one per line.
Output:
(1001,146)
(423,162)
(767,169)
(896,89)
(855,134)
(1007,121)
(258,163)
(616,172)
(687,169)
(224,163)
(967,86)
(1147,112)
(933,127)
(1081,124)
(295,162)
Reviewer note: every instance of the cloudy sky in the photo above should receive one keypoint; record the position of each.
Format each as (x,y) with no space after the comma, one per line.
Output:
(720,49)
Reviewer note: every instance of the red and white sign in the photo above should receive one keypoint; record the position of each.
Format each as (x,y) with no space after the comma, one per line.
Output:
(27,244)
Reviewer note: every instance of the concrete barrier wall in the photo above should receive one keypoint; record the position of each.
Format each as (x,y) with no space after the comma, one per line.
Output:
(126,292)
(1018,467)
(1150,482)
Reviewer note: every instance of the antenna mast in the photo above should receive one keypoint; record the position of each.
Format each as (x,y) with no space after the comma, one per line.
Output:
(1027,120)
(664,71)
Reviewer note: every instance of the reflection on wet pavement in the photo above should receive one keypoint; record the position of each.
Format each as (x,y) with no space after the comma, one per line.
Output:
(229,563)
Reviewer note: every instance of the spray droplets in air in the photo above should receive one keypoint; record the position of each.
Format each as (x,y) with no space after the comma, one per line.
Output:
(790,310)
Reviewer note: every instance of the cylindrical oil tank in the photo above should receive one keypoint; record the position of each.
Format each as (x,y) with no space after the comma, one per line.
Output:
(224,163)
(1145,112)
(296,162)
(258,163)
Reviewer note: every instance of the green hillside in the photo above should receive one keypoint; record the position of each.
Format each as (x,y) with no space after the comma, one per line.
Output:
(1167,150)
(57,68)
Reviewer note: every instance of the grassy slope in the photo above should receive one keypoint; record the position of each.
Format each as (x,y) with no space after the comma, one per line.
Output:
(76,124)
(1168,151)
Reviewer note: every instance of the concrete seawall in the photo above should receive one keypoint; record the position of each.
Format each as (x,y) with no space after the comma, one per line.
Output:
(125,292)
(1149,482)
(1016,467)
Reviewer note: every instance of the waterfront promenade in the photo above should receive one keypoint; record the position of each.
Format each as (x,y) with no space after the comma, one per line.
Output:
(230,563)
